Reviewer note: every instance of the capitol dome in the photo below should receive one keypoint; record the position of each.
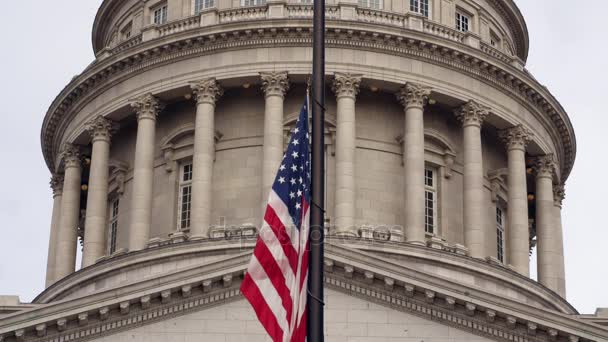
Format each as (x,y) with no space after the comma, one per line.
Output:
(445,167)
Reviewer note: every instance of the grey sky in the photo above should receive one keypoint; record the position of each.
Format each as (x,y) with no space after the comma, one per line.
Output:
(46,43)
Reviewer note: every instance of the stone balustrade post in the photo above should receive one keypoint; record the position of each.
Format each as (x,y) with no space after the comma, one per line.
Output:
(206,93)
(346,88)
(67,237)
(472,115)
(518,246)
(100,130)
(275,86)
(413,97)
(57,186)
(146,108)
(549,251)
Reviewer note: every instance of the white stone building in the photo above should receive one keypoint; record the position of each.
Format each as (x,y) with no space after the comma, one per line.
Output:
(446,162)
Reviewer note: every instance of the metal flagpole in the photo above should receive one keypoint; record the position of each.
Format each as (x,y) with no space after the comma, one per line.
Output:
(317,208)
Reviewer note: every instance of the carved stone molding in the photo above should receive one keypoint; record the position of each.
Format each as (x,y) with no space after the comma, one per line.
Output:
(544,166)
(516,138)
(484,68)
(207,91)
(472,113)
(346,85)
(413,95)
(101,128)
(146,107)
(70,155)
(275,83)
(559,194)
(57,184)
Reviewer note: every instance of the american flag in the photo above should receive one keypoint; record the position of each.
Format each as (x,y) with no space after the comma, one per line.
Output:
(276,281)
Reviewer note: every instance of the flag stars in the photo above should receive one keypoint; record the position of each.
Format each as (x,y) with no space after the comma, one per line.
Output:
(282,180)
(295,155)
(299,193)
(293,181)
(298,206)
(292,195)
(294,168)
(295,142)
(282,168)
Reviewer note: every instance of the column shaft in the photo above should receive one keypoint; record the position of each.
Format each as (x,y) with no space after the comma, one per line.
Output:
(558,195)
(65,259)
(518,246)
(206,92)
(97,197)
(143,172)
(57,186)
(346,88)
(549,251)
(472,115)
(275,85)
(413,98)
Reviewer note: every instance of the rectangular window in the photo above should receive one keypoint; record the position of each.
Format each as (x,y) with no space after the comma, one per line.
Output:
(462,22)
(373,4)
(184,201)
(430,201)
(500,235)
(160,15)
(494,40)
(113,225)
(127,31)
(253,2)
(200,5)
(420,7)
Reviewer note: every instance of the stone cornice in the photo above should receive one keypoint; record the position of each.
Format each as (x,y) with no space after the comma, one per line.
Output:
(346,85)
(516,137)
(274,83)
(350,271)
(518,84)
(413,95)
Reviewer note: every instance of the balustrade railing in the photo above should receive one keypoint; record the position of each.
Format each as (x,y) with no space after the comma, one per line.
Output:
(305,11)
(243,14)
(492,51)
(443,31)
(380,17)
(179,26)
(127,44)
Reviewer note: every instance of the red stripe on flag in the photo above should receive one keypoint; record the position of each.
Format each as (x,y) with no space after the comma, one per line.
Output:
(277,226)
(275,274)
(261,308)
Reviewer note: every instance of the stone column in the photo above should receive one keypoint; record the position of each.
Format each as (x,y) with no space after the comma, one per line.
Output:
(518,234)
(206,93)
(275,85)
(97,198)
(413,98)
(558,198)
(548,251)
(346,88)
(57,186)
(65,253)
(472,115)
(147,108)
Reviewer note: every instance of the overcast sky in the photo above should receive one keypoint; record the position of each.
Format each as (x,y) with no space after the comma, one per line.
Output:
(46,43)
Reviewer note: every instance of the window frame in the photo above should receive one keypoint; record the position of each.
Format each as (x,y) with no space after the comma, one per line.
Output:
(433,191)
(163,10)
(201,5)
(183,184)
(460,23)
(500,234)
(422,7)
(377,5)
(252,3)
(114,212)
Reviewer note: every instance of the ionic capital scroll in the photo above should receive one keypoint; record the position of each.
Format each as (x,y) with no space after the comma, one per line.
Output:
(516,138)
(146,107)
(413,95)
(544,166)
(56,184)
(346,85)
(207,91)
(472,114)
(100,128)
(274,83)
(70,155)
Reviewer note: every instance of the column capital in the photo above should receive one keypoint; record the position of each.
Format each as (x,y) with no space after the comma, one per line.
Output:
(56,184)
(207,91)
(70,155)
(274,83)
(516,138)
(472,113)
(544,166)
(100,128)
(413,95)
(346,85)
(559,194)
(146,107)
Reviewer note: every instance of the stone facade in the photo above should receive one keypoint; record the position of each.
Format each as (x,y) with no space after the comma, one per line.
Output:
(445,164)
